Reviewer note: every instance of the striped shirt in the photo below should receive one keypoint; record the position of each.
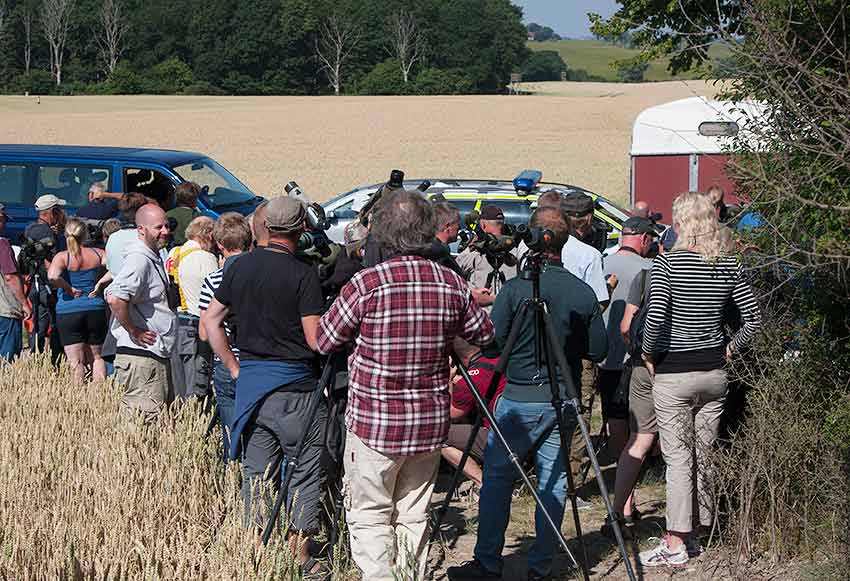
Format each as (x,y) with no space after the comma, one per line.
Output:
(688,297)
(208,288)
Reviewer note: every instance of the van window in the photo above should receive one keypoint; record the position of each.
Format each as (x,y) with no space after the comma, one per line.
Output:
(151,183)
(13,185)
(71,183)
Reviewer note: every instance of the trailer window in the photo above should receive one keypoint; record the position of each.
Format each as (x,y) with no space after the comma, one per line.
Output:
(718,128)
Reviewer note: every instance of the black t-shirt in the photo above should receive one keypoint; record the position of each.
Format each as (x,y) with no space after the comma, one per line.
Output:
(269,292)
(99,209)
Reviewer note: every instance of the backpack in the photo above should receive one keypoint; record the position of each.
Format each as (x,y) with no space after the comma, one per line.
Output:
(638,325)
(174,291)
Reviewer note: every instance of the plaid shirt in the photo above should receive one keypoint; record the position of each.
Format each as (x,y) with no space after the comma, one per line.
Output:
(402,316)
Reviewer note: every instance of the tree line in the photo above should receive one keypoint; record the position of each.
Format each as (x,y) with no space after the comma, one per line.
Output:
(259,47)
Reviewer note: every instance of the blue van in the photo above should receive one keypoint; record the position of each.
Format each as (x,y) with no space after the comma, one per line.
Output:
(67,171)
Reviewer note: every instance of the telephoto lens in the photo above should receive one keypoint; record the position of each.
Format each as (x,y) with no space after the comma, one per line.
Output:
(396,179)
(294,190)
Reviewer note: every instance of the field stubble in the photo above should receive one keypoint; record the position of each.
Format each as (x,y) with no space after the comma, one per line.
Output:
(86,495)
(576,133)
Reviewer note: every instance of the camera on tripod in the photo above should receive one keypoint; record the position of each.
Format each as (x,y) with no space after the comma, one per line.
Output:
(536,239)
(33,255)
(314,240)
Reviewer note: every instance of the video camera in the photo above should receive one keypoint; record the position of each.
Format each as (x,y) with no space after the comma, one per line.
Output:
(33,255)
(314,241)
(535,238)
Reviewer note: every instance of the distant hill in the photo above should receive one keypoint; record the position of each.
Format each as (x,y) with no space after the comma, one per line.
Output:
(595,56)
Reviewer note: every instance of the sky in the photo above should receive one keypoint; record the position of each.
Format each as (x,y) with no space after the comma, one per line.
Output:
(566,17)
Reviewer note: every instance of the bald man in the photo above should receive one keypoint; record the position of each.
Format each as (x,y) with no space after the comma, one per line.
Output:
(641,209)
(257,221)
(143,322)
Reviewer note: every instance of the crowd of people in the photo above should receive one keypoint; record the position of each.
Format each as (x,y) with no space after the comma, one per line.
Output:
(179,306)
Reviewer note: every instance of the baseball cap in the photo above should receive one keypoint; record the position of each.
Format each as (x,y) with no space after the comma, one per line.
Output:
(47,201)
(285,214)
(577,204)
(638,225)
(3,211)
(669,238)
(492,213)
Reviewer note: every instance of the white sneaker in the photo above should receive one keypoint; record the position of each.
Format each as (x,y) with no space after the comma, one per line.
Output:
(662,556)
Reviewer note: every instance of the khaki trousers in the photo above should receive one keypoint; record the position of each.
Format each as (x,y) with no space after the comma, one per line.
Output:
(146,382)
(688,407)
(386,502)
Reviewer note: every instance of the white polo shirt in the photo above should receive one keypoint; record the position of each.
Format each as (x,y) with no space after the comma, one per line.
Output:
(585,262)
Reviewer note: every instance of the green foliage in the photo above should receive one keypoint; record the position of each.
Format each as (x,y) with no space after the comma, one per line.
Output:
(170,76)
(37,82)
(384,79)
(124,81)
(544,65)
(682,30)
(542,33)
(269,46)
(631,72)
(441,82)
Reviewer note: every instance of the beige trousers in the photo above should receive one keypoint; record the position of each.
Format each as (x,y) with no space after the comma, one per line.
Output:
(146,382)
(386,502)
(688,407)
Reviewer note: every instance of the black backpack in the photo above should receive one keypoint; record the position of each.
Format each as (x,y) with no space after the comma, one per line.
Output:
(636,329)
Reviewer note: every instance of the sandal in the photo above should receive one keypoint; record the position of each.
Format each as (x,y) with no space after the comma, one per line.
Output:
(308,572)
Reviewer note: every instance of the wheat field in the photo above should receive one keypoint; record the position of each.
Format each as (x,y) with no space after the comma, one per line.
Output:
(85,496)
(577,133)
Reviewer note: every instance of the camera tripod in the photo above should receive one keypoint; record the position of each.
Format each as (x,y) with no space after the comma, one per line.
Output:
(289,464)
(546,343)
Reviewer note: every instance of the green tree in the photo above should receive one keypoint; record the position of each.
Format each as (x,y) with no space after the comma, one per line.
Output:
(544,65)
(683,30)
(170,76)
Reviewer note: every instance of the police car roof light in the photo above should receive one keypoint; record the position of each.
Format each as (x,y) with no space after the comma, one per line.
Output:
(526,182)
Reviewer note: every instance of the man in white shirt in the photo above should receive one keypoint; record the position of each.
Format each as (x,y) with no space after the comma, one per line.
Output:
(143,323)
(579,258)
(189,265)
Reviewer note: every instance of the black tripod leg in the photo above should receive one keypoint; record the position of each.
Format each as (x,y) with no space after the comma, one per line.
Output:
(566,437)
(516,326)
(514,459)
(572,393)
(292,463)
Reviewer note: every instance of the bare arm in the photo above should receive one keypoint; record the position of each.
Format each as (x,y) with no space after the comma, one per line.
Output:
(101,284)
(54,275)
(212,320)
(13,281)
(626,323)
(121,311)
(311,327)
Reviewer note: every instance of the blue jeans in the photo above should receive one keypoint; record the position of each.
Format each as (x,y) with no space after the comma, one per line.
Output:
(11,337)
(225,398)
(529,428)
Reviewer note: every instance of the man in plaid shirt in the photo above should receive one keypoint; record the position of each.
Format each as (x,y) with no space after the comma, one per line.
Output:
(402,316)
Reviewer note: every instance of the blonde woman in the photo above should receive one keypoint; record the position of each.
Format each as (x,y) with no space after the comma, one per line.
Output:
(686,351)
(80,313)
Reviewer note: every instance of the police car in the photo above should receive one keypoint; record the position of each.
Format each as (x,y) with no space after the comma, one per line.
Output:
(516,198)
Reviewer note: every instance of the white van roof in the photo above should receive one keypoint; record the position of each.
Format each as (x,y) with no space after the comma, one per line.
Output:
(673,128)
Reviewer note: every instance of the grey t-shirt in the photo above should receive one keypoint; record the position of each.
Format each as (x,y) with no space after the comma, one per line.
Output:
(626,266)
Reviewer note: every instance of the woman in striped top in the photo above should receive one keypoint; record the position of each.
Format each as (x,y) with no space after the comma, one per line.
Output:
(686,350)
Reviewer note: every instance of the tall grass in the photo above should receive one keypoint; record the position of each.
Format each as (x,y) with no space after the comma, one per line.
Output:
(85,495)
